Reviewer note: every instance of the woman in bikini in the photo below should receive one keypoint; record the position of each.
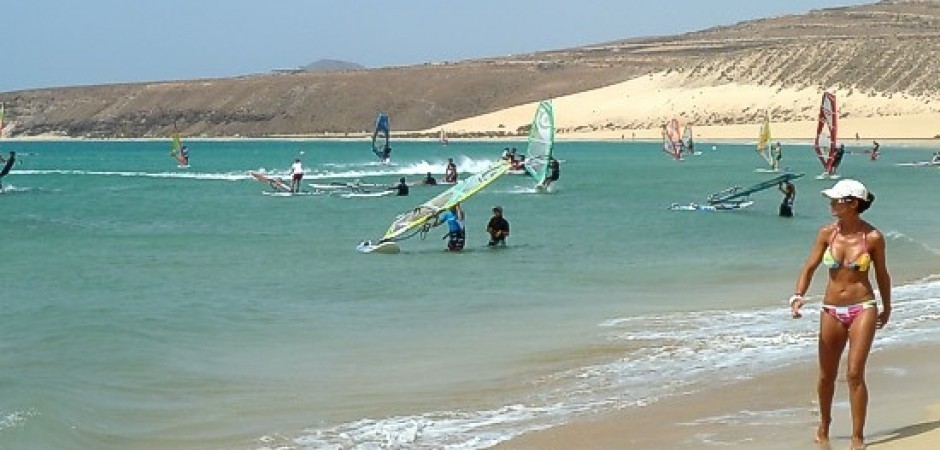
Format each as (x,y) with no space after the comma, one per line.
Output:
(849,247)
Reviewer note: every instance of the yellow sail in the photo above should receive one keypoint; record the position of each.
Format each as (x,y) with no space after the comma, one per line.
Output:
(763,142)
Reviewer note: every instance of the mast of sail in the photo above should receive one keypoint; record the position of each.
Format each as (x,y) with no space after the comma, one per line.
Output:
(380,136)
(826,128)
(737,193)
(541,141)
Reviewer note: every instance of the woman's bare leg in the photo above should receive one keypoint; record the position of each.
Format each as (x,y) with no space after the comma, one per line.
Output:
(832,339)
(861,335)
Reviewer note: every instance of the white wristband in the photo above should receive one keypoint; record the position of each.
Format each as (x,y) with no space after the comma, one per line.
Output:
(796,298)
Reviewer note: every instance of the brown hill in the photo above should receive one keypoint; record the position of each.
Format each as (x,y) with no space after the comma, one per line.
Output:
(887,48)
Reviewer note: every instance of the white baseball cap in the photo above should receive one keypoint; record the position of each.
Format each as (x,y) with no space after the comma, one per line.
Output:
(847,188)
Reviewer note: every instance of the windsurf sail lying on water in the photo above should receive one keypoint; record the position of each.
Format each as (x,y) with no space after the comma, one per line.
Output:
(541,141)
(826,132)
(177,150)
(672,139)
(380,137)
(277,184)
(417,219)
(763,143)
(737,194)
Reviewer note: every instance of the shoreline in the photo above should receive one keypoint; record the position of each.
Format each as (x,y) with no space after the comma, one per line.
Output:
(566,138)
(771,411)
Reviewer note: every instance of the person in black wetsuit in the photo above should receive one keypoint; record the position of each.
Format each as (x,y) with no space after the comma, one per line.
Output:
(401,187)
(789,195)
(498,227)
(553,172)
(8,164)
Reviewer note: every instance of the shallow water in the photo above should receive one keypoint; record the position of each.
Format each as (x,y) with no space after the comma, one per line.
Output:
(146,306)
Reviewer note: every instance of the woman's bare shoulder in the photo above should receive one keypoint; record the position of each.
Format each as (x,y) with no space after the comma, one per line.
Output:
(828,229)
(873,233)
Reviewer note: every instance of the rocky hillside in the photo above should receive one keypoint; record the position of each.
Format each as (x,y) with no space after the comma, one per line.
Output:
(888,48)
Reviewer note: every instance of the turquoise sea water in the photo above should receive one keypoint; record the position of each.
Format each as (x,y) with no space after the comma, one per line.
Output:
(150,307)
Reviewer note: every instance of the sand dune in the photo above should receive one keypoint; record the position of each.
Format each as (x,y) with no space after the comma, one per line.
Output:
(636,108)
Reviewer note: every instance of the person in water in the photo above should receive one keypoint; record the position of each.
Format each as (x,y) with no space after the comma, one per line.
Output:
(386,153)
(777,152)
(789,196)
(450,173)
(296,175)
(554,172)
(454,218)
(184,152)
(837,159)
(429,180)
(851,249)
(875,147)
(401,189)
(7,165)
(498,227)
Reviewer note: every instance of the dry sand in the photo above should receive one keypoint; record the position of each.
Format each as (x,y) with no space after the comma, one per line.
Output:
(635,108)
(771,412)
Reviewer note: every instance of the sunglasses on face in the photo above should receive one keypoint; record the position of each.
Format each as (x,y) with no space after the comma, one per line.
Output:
(837,201)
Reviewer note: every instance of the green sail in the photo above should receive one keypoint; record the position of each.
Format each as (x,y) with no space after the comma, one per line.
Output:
(541,141)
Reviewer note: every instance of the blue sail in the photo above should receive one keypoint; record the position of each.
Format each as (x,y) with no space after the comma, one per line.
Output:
(380,136)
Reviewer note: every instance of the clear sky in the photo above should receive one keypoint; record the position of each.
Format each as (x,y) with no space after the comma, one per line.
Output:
(49,43)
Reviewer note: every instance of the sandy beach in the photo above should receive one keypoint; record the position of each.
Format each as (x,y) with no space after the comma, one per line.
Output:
(634,109)
(771,412)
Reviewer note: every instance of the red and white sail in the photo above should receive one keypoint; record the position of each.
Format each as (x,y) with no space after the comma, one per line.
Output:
(826,132)
(672,139)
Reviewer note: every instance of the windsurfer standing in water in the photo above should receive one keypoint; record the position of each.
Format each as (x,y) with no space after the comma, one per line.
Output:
(296,175)
(386,154)
(554,172)
(789,196)
(450,173)
(837,159)
(777,152)
(454,218)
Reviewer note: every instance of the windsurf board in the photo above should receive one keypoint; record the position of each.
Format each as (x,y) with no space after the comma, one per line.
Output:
(388,247)
(367,194)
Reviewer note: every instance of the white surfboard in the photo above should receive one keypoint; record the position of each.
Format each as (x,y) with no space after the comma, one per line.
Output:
(388,247)
(919,164)
(366,194)
(286,194)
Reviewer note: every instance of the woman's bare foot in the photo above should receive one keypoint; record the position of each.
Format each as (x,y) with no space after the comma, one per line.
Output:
(822,435)
(858,444)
